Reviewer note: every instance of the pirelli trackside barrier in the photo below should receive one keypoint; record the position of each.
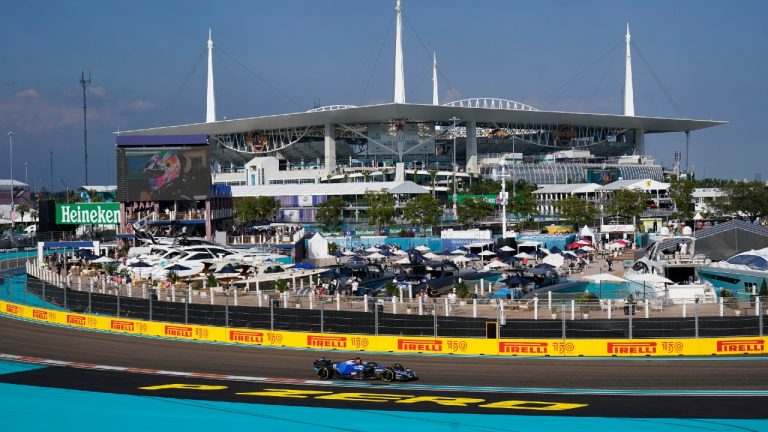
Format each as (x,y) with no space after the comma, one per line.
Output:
(396,344)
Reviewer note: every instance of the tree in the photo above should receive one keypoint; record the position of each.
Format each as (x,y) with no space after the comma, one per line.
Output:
(244,209)
(474,209)
(423,210)
(763,293)
(746,199)
(366,175)
(523,203)
(22,209)
(94,196)
(681,192)
(576,210)
(433,178)
(266,207)
(381,208)
(628,203)
(330,214)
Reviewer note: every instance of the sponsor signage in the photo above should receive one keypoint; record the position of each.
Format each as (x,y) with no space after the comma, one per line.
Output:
(13,309)
(631,347)
(77,320)
(178,331)
(418,345)
(741,346)
(246,336)
(523,347)
(121,325)
(88,214)
(327,341)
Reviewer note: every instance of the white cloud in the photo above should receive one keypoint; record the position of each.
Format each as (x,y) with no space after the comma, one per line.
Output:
(32,93)
(451,95)
(141,105)
(97,91)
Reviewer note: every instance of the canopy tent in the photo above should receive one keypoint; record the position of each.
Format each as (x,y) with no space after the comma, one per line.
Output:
(587,233)
(554,259)
(506,249)
(461,259)
(727,239)
(604,277)
(495,265)
(317,247)
(523,255)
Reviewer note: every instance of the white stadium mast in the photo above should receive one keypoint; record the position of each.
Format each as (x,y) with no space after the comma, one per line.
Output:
(629,94)
(210,114)
(435,100)
(399,72)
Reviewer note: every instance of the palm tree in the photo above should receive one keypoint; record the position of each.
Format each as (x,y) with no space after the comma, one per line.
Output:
(433,178)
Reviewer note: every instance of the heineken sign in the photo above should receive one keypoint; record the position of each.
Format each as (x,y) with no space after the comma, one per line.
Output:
(88,214)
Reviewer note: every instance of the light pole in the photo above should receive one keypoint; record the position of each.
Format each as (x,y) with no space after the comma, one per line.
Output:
(455,168)
(66,189)
(26,173)
(10,144)
(503,198)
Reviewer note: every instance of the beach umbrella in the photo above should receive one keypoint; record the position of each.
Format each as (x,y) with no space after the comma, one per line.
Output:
(373,249)
(545,266)
(422,248)
(177,267)
(140,264)
(472,256)
(430,255)
(357,259)
(461,259)
(459,252)
(584,242)
(574,245)
(523,255)
(103,260)
(569,255)
(403,260)
(400,252)
(375,255)
(348,253)
(554,259)
(495,264)
(487,253)
(587,248)
(555,250)
(506,249)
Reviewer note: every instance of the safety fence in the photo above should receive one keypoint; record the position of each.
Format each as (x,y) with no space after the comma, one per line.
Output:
(326,316)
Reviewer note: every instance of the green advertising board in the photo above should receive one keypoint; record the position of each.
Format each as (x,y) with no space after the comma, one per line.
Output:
(88,214)
(490,198)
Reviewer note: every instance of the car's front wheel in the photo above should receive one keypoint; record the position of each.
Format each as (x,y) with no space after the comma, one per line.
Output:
(325,373)
(388,375)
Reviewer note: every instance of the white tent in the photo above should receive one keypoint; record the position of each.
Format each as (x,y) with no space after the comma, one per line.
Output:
(586,232)
(103,260)
(376,255)
(317,247)
(554,259)
(522,255)
(604,277)
(461,259)
(506,249)
(648,278)
(487,253)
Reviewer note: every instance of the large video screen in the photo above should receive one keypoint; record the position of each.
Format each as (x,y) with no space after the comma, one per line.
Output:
(164,173)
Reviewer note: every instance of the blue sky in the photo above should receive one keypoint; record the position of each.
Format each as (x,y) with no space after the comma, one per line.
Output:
(148,67)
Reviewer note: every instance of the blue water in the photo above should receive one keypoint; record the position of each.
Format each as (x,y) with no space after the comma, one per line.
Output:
(21,407)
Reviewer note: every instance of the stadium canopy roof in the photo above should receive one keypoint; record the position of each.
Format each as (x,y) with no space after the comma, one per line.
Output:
(568,188)
(430,113)
(327,189)
(727,239)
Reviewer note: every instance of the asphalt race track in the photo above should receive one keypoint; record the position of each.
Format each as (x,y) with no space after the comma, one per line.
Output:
(721,387)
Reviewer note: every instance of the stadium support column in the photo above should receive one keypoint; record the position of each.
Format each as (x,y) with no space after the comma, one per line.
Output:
(471,146)
(640,141)
(330,147)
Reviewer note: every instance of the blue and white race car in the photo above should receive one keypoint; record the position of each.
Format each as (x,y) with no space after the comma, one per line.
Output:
(355,369)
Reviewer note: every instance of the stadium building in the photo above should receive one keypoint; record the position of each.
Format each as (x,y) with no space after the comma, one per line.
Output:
(412,147)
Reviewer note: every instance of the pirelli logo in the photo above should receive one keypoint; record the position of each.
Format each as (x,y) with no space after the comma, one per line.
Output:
(13,309)
(246,336)
(523,347)
(631,347)
(76,320)
(40,314)
(327,341)
(178,331)
(417,345)
(741,346)
(122,325)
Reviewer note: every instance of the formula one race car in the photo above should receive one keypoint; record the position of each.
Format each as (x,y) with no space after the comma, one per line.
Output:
(354,369)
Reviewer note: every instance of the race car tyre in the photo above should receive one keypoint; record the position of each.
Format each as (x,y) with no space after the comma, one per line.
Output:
(388,375)
(398,366)
(325,373)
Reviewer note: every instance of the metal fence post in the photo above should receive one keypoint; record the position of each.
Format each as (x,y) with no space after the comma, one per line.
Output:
(226,308)
(696,317)
(322,315)
(44,301)
(562,316)
(90,304)
(434,312)
(759,307)
(376,317)
(631,310)
(272,314)
(151,294)
(117,296)
(186,306)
